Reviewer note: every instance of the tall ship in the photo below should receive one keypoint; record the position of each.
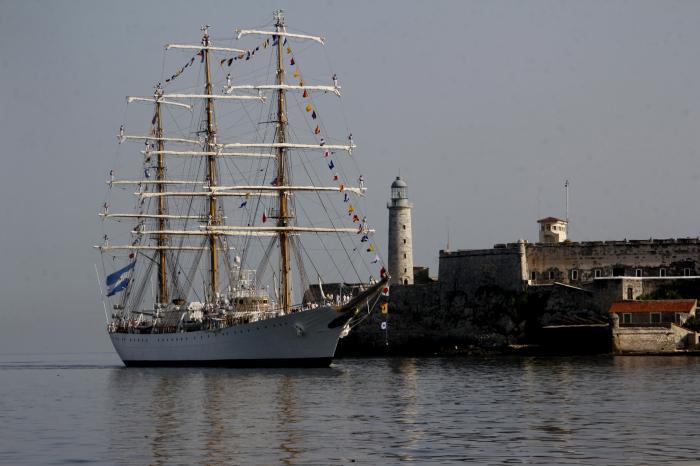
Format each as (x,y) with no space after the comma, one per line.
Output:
(246,203)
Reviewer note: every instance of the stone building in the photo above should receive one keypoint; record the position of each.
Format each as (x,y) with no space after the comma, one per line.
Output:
(569,262)
(654,312)
(400,236)
(552,230)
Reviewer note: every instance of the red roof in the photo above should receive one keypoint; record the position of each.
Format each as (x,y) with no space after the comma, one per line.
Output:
(662,305)
(551,220)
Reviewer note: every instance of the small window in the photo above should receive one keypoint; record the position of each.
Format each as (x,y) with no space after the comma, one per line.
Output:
(533,275)
(404,256)
(404,227)
(638,273)
(626,318)
(630,293)
(677,317)
(550,274)
(405,281)
(618,271)
(662,272)
(655,317)
(542,227)
(574,274)
(405,270)
(404,241)
(598,273)
(686,272)
(549,227)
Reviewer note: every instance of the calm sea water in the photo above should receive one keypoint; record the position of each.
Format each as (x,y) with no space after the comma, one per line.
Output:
(498,410)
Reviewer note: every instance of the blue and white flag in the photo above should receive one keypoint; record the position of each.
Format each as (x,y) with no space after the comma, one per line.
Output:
(121,286)
(114,277)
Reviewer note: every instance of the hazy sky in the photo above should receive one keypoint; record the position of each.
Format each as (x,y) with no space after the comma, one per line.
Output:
(485,107)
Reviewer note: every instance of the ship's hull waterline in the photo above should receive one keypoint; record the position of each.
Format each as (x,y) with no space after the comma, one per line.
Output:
(301,339)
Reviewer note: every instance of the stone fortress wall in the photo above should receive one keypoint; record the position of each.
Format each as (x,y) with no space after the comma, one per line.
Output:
(571,263)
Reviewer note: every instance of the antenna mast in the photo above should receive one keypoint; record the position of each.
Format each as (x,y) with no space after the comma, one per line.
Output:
(283,217)
(566,200)
(210,147)
(160,176)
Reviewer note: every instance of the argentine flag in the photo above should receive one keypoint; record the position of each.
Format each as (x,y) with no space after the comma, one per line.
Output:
(114,282)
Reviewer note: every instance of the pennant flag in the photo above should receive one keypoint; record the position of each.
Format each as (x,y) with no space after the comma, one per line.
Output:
(264,217)
(301,82)
(383,325)
(355,218)
(275,39)
(296,73)
(326,153)
(266,43)
(364,239)
(230,60)
(289,50)
(114,277)
(346,198)
(308,107)
(146,173)
(222,61)
(317,130)
(313,115)
(342,188)
(382,274)
(131,255)
(385,290)
(351,209)
(376,259)
(257,48)
(323,142)
(335,177)
(305,94)
(274,182)
(243,204)
(167,80)
(331,165)
(201,54)
(111,291)
(240,56)
(247,56)
(285,41)
(291,62)
(191,60)
(371,247)
(153,121)
(384,308)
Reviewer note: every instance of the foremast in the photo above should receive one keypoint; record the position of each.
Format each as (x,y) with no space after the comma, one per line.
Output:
(210,147)
(283,216)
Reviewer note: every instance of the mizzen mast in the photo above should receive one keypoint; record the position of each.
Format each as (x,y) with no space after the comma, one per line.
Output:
(283,216)
(210,146)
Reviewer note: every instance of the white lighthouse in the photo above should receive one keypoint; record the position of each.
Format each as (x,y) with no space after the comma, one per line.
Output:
(400,237)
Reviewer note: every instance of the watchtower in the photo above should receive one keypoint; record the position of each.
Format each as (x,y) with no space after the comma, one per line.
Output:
(400,236)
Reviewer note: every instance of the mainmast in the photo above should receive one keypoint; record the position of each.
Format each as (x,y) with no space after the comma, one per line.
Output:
(283,217)
(160,176)
(210,146)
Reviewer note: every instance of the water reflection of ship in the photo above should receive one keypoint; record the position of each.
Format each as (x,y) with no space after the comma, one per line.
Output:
(169,416)
(287,418)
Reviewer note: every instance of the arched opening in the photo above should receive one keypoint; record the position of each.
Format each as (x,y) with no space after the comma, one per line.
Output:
(405,281)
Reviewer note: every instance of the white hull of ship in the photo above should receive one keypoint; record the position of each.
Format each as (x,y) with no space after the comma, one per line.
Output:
(302,338)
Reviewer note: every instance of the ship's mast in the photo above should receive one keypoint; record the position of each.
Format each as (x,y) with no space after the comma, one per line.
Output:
(160,176)
(211,166)
(283,216)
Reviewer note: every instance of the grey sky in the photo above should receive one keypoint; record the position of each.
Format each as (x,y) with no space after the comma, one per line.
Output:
(484,106)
